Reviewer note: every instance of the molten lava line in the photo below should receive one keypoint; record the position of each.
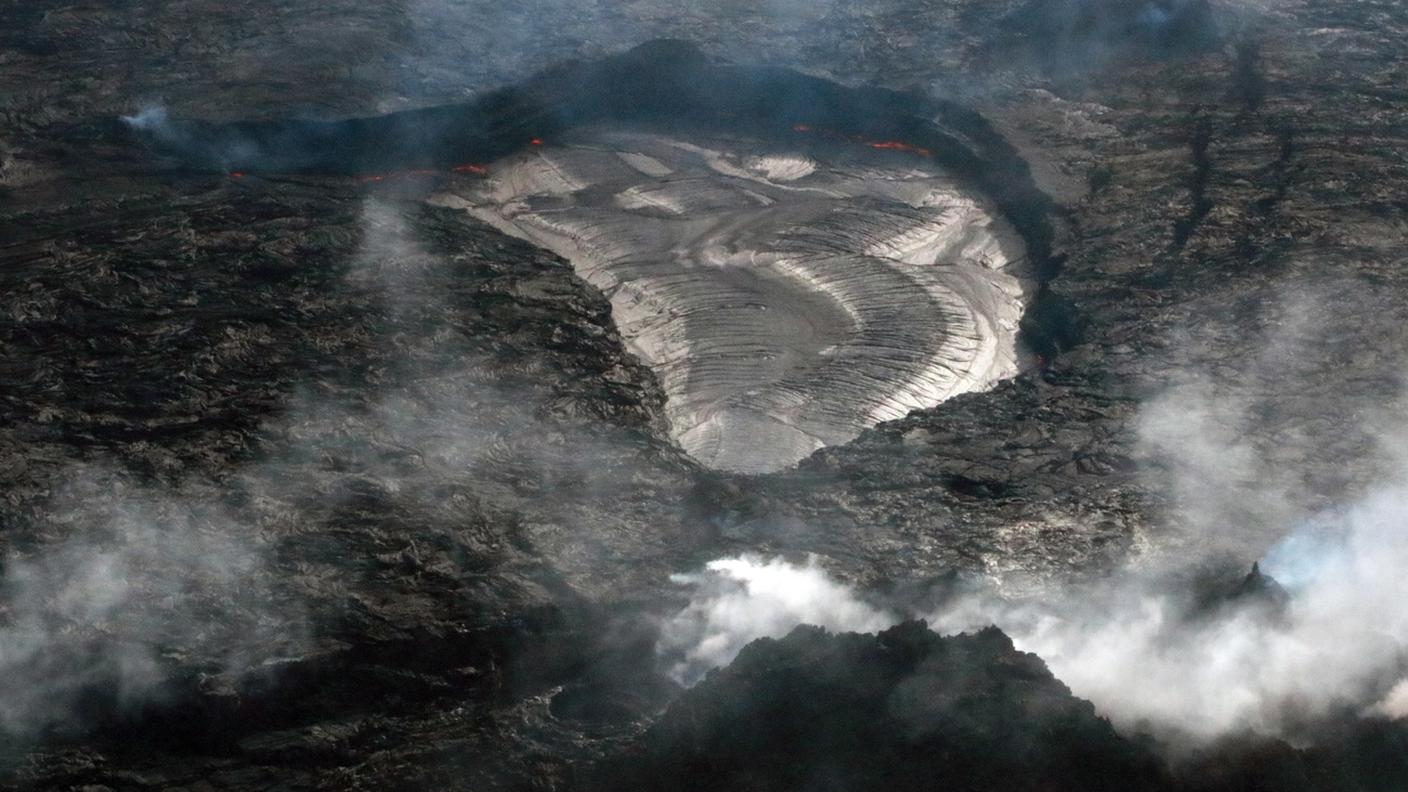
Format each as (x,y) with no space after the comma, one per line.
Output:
(883,145)
(405,174)
(899,145)
(467,167)
(475,168)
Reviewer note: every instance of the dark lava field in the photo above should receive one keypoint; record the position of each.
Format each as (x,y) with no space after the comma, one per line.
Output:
(357,414)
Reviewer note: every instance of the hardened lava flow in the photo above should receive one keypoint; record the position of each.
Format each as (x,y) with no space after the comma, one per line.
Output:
(795,260)
(786,302)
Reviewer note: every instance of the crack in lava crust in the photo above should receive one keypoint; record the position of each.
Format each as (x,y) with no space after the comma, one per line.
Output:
(786,300)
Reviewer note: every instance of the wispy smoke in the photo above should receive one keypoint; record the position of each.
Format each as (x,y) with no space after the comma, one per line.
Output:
(92,624)
(1073,36)
(133,587)
(153,119)
(525,37)
(141,573)
(154,124)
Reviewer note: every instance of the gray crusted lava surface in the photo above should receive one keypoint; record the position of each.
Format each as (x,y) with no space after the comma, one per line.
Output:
(784,303)
(306,484)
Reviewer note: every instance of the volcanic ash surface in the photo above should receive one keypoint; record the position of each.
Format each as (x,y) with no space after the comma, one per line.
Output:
(786,302)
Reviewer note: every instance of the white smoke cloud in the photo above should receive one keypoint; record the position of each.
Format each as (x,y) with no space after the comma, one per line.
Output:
(738,600)
(1144,649)
(1137,652)
(1134,649)
(1395,704)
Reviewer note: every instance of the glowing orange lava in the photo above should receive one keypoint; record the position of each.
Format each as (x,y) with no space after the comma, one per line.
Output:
(884,145)
(899,145)
(469,167)
(465,167)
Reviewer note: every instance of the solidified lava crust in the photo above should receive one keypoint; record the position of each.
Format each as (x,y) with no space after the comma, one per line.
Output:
(786,302)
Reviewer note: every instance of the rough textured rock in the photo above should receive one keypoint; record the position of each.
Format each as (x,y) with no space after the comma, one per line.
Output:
(904,709)
(443,486)
(908,709)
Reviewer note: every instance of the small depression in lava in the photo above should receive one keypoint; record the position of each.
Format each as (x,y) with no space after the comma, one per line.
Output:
(796,260)
(787,299)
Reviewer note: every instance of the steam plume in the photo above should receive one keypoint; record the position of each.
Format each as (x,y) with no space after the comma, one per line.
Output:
(140,573)
(738,600)
(1153,648)
(140,582)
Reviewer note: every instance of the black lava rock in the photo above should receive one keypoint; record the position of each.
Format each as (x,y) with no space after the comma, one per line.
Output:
(905,709)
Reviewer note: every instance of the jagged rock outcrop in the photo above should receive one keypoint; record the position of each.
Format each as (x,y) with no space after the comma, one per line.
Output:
(902,710)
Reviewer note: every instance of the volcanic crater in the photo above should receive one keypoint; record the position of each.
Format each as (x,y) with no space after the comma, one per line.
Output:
(797,261)
(785,301)
(310,481)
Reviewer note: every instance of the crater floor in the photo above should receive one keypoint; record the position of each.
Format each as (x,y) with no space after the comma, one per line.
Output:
(786,300)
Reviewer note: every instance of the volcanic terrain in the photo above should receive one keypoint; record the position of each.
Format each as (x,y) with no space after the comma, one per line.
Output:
(397,395)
